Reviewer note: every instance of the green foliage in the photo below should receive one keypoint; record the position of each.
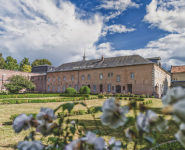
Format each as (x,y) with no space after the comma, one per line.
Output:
(100,96)
(85,90)
(26,68)
(2,61)
(70,91)
(39,62)
(17,83)
(25,65)
(11,63)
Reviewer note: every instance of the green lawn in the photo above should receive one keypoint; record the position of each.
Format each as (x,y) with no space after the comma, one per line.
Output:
(8,138)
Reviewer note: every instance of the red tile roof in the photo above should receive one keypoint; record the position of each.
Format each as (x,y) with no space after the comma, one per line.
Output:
(177,69)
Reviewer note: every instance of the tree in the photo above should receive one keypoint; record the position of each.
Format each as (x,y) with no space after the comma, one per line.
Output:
(2,61)
(11,63)
(26,68)
(85,90)
(17,83)
(24,64)
(39,62)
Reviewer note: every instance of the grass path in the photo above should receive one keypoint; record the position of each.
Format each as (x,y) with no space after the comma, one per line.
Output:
(7,136)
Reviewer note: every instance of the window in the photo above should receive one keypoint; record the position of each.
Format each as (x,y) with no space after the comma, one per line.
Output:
(109,88)
(110,74)
(83,77)
(132,75)
(64,78)
(64,88)
(94,88)
(118,78)
(101,76)
(48,79)
(48,88)
(58,79)
(72,77)
(89,77)
(112,88)
(76,87)
(123,88)
(58,89)
(53,79)
(53,88)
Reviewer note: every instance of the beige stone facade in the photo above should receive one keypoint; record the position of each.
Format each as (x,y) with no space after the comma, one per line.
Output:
(178,76)
(136,79)
(6,74)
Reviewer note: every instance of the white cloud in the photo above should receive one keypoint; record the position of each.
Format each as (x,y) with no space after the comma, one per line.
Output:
(120,5)
(168,15)
(40,28)
(116,29)
(117,6)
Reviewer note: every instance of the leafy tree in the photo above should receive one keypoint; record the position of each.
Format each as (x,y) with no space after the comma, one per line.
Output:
(39,62)
(2,61)
(70,91)
(85,90)
(17,83)
(24,62)
(11,63)
(26,68)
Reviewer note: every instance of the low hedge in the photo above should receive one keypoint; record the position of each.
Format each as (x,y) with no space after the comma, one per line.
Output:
(29,95)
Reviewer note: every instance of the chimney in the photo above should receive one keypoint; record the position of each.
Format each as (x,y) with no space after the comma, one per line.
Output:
(84,56)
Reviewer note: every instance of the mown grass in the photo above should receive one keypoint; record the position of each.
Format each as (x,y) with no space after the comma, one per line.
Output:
(8,139)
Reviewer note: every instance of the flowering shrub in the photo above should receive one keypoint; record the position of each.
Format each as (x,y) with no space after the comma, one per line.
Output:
(63,134)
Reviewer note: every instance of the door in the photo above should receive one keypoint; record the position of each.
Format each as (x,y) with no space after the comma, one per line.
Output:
(129,87)
(101,88)
(118,89)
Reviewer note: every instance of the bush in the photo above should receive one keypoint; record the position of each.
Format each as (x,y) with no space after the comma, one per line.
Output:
(100,96)
(85,90)
(70,91)
(18,83)
(143,96)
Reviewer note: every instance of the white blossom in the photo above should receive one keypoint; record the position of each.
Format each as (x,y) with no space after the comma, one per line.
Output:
(46,114)
(98,142)
(145,121)
(44,127)
(30,145)
(22,122)
(116,145)
(113,114)
(179,110)
(174,95)
(180,135)
(74,145)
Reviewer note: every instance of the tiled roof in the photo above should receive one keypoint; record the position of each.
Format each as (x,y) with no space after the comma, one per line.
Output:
(104,63)
(177,69)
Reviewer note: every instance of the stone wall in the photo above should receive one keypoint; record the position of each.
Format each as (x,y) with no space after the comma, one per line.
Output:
(141,80)
(161,81)
(5,74)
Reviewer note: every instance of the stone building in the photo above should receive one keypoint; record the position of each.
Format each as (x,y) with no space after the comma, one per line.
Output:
(6,74)
(178,76)
(123,74)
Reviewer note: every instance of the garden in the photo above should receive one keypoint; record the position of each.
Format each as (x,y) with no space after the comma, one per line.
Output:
(76,119)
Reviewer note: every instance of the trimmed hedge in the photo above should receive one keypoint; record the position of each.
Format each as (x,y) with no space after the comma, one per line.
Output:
(28,95)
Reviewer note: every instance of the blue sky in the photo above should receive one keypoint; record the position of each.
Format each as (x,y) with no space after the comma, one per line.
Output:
(61,30)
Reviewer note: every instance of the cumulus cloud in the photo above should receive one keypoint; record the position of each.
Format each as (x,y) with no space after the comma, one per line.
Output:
(46,28)
(116,6)
(168,15)
(116,29)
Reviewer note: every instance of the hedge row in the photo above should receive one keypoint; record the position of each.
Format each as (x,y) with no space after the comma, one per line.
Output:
(28,95)
(64,99)
(72,113)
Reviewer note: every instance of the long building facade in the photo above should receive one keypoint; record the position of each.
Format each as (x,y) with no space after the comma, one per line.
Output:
(123,74)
